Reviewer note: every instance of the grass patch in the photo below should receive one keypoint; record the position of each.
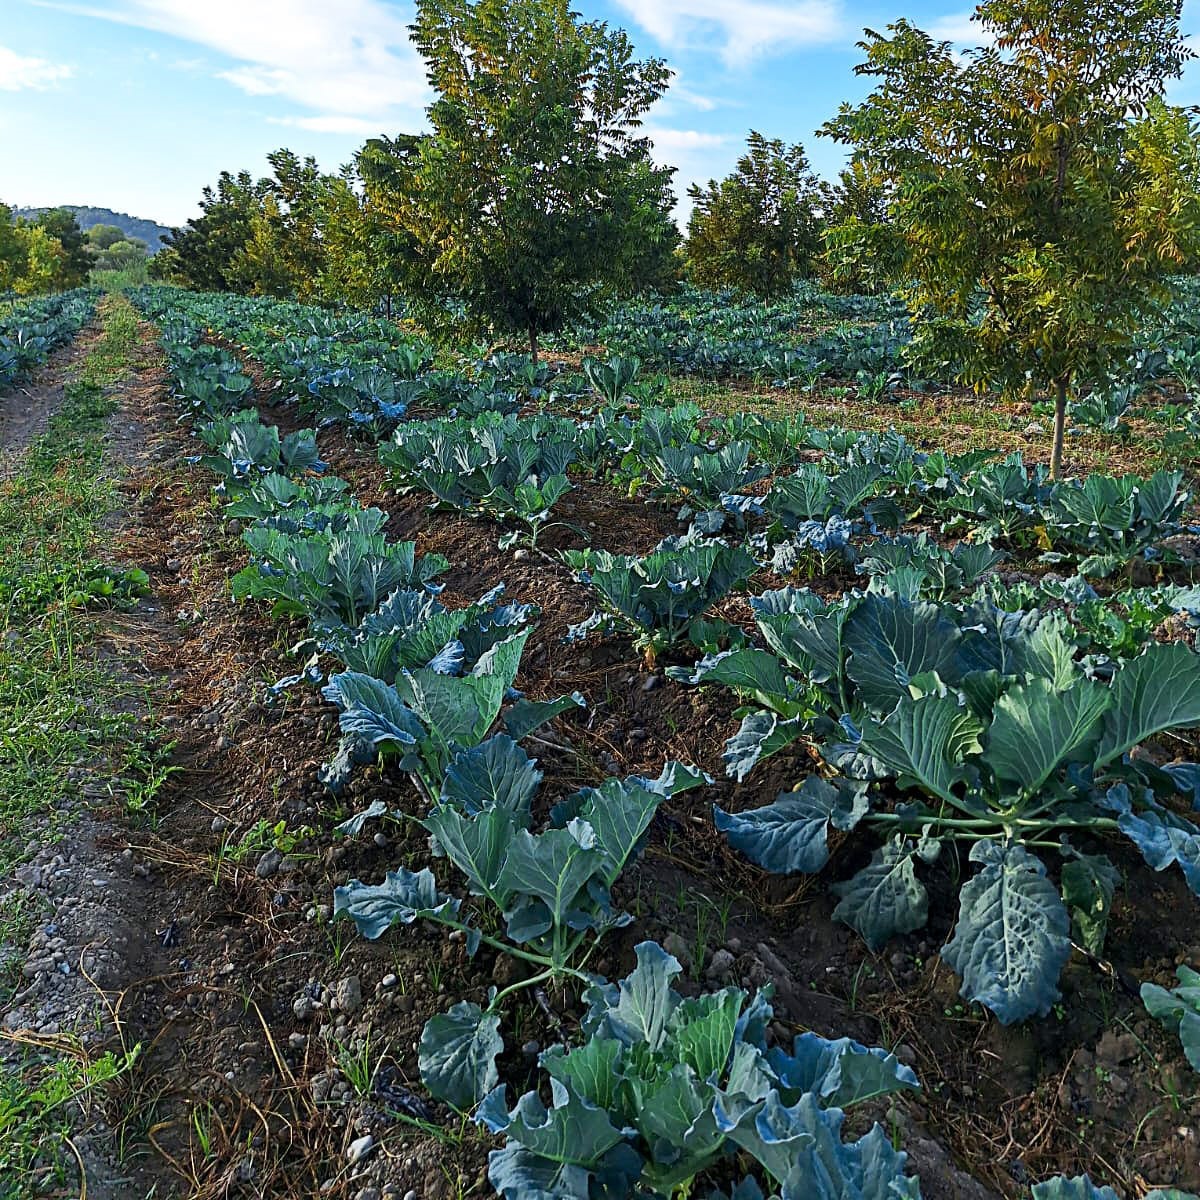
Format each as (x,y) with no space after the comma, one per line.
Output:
(68,728)
(40,1105)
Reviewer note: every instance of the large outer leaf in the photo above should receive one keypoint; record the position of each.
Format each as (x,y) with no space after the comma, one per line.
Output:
(885,897)
(1162,836)
(810,641)
(570,1131)
(402,897)
(925,742)
(478,846)
(1178,1009)
(750,671)
(1158,690)
(457,1057)
(495,774)
(372,711)
(459,709)
(890,641)
(1035,729)
(527,715)
(1012,937)
(842,1072)
(802,1147)
(619,813)
(552,866)
(791,834)
(518,1174)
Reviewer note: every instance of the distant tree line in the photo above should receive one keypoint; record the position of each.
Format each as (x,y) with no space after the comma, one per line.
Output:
(49,252)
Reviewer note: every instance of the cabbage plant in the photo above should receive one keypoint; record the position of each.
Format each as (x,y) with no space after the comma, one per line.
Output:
(661,1088)
(548,888)
(656,598)
(996,740)
(331,576)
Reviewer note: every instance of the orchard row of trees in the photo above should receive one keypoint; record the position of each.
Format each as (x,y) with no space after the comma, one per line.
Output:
(44,254)
(1028,197)
(49,252)
(368,231)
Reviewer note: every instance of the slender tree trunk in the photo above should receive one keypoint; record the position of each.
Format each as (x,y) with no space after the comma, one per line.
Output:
(533,343)
(1060,426)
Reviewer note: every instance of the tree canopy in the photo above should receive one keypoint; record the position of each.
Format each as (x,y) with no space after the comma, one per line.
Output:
(1039,186)
(533,197)
(759,228)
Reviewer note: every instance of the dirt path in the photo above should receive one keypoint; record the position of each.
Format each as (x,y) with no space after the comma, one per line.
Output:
(25,411)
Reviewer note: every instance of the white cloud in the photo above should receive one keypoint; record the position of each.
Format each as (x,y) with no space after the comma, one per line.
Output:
(352,57)
(960,29)
(331,123)
(742,29)
(675,140)
(18,72)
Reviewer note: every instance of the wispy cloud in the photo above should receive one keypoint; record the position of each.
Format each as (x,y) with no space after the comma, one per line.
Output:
(331,123)
(741,30)
(674,140)
(958,28)
(20,73)
(353,57)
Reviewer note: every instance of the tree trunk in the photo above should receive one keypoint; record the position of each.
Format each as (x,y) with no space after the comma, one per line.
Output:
(533,343)
(1060,426)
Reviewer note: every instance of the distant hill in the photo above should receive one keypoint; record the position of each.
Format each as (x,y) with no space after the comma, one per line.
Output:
(151,232)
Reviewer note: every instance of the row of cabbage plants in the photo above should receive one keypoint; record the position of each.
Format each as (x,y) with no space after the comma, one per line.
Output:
(30,329)
(659,1088)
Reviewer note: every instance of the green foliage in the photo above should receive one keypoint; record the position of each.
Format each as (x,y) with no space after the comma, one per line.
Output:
(666,1087)
(1040,187)
(994,735)
(759,228)
(41,253)
(332,576)
(1178,1010)
(533,198)
(657,598)
(551,888)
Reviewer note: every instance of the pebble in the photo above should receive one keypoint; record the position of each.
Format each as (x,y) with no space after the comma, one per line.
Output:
(359,1149)
(674,945)
(268,864)
(720,965)
(389,980)
(347,994)
(303,1007)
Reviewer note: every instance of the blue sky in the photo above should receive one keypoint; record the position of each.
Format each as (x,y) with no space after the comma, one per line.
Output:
(137,104)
